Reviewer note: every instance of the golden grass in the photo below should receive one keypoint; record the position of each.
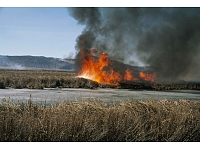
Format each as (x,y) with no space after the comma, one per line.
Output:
(39,79)
(94,120)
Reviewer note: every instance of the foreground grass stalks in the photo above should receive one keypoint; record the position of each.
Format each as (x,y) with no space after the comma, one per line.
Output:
(93,120)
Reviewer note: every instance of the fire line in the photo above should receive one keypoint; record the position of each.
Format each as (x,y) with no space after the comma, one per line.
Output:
(99,70)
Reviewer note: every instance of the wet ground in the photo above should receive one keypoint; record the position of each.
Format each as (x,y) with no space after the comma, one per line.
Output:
(106,95)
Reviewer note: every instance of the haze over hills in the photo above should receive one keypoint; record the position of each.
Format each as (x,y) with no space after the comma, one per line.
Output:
(41,62)
(35,62)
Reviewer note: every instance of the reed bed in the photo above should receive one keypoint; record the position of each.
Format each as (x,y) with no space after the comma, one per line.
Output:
(39,79)
(93,120)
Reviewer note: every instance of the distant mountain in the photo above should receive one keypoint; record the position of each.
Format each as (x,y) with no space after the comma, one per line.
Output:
(41,62)
(36,62)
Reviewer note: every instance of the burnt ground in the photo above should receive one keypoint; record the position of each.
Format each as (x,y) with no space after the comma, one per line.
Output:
(144,85)
(160,86)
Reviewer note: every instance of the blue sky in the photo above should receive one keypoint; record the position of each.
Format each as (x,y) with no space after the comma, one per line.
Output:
(38,31)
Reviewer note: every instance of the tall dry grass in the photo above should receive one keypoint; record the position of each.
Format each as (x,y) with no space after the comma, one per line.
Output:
(93,120)
(39,79)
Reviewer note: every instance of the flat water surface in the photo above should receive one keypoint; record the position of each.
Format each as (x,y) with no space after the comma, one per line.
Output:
(106,95)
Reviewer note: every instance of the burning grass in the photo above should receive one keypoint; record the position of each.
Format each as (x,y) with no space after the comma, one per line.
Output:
(101,70)
(93,120)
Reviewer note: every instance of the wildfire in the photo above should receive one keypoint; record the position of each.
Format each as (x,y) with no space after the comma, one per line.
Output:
(98,70)
(95,69)
(128,76)
(148,76)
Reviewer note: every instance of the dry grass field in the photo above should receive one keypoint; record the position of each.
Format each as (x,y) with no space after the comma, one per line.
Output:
(39,79)
(93,120)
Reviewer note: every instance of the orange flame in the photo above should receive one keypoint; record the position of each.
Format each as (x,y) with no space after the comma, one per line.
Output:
(128,76)
(148,76)
(98,70)
(94,69)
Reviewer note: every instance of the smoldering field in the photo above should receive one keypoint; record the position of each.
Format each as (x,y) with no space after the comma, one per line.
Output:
(58,106)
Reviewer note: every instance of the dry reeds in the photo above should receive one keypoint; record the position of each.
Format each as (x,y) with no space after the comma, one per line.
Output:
(94,120)
(36,79)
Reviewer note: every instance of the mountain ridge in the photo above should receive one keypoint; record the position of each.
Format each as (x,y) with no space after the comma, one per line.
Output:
(42,62)
(33,62)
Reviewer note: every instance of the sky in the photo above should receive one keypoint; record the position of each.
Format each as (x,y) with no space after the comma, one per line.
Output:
(38,31)
(46,29)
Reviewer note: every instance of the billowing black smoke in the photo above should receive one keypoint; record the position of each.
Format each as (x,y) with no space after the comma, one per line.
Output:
(167,39)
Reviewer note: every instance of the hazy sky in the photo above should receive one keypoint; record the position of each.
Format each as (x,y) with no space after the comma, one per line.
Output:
(38,31)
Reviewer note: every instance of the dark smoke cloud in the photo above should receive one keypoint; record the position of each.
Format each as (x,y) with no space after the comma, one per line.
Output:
(164,38)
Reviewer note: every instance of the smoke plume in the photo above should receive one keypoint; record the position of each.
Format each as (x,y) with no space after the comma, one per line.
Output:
(166,39)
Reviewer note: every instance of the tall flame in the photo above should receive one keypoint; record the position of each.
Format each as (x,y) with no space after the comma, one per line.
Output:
(98,70)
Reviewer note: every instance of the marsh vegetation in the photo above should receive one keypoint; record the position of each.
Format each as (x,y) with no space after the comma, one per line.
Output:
(93,120)
(39,79)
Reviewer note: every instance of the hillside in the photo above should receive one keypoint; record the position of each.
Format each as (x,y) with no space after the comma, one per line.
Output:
(40,62)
